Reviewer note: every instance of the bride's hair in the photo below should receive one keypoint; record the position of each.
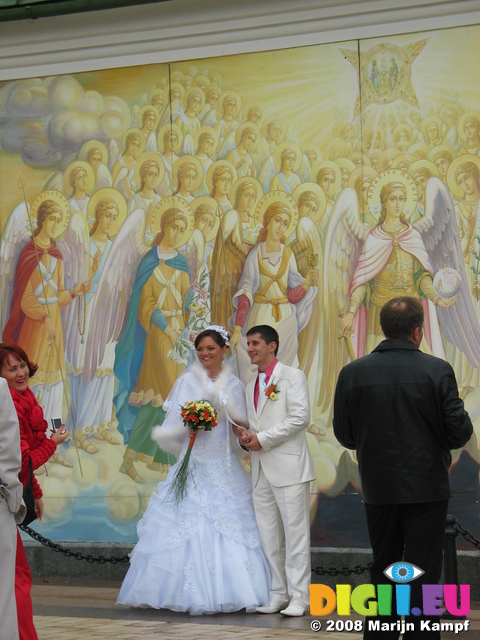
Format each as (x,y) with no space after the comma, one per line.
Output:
(221,340)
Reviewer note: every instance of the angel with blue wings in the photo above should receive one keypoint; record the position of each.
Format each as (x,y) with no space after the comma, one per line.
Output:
(142,305)
(367,266)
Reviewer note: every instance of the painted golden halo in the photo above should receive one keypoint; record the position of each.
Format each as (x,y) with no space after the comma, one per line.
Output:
(363,171)
(174,128)
(423,164)
(199,132)
(318,193)
(78,164)
(61,200)
(240,182)
(454,188)
(286,148)
(394,176)
(198,169)
(199,92)
(227,94)
(185,211)
(211,205)
(141,137)
(278,196)
(141,112)
(93,144)
(328,164)
(108,193)
(247,125)
(216,165)
(145,157)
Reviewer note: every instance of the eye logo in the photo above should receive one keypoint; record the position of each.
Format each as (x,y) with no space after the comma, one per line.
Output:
(403,572)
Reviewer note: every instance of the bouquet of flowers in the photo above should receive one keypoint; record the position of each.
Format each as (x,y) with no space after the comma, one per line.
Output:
(196,414)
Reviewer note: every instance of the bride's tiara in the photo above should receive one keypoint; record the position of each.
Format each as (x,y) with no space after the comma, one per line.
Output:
(222,331)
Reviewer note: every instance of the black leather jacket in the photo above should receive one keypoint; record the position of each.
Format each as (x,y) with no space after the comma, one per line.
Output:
(399,408)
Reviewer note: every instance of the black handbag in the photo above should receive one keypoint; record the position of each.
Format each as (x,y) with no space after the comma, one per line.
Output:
(29,500)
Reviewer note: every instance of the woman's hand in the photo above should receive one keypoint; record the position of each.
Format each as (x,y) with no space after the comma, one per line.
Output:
(239,431)
(60,435)
(39,508)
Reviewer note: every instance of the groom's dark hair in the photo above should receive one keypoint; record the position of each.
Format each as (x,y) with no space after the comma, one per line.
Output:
(267,333)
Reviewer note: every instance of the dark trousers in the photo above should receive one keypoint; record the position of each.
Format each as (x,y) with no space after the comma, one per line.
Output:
(413,533)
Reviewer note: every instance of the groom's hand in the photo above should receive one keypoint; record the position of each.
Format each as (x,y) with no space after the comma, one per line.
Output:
(250,442)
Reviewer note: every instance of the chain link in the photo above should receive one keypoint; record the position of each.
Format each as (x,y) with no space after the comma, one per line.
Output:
(73,554)
(467,535)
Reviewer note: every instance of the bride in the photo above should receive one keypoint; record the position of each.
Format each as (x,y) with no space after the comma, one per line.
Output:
(204,554)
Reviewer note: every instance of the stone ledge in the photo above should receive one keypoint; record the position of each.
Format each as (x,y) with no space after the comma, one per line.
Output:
(45,562)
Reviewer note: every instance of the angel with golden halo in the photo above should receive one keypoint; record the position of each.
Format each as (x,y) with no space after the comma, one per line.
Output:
(90,405)
(95,153)
(230,105)
(367,266)
(124,167)
(247,137)
(463,179)
(148,174)
(148,119)
(220,178)
(187,177)
(307,248)
(170,140)
(78,183)
(188,121)
(271,290)
(32,277)
(142,306)
(235,239)
(205,144)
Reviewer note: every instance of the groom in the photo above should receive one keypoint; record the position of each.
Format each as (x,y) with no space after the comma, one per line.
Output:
(278,413)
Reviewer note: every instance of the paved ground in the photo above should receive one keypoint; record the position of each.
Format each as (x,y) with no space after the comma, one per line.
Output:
(86,610)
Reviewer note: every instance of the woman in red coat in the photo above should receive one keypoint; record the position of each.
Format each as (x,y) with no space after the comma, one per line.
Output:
(16,368)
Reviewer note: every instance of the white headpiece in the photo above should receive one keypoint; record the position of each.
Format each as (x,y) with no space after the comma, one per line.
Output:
(222,331)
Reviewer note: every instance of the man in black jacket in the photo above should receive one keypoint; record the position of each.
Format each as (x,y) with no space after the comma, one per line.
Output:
(399,408)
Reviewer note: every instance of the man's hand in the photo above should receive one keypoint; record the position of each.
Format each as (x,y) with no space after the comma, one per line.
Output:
(250,442)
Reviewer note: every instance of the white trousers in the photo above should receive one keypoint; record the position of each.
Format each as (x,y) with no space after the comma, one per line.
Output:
(8,550)
(283,518)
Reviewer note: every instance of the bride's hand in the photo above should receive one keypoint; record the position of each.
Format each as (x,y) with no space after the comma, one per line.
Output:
(239,431)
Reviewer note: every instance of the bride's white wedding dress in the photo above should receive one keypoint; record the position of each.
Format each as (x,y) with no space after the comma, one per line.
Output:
(203,555)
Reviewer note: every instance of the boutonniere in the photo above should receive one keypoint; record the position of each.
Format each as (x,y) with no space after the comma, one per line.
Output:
(272,392)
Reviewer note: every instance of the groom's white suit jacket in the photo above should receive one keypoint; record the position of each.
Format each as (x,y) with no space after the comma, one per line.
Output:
(280,427)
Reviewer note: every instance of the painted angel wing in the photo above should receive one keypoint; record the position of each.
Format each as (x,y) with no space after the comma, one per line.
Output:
(267,173)
(104,177)
(14,237)
(345,237)
(307,248)
(227,145)
(76,261)
(210,119)
(55,181)
(439,230)
(113,152)
(112,298)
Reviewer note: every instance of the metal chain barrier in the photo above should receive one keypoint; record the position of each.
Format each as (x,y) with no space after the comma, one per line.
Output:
(467,535)
(345,571)
(319,571)
(73,554)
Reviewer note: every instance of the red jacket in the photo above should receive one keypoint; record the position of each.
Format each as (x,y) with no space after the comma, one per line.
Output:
(33,440)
